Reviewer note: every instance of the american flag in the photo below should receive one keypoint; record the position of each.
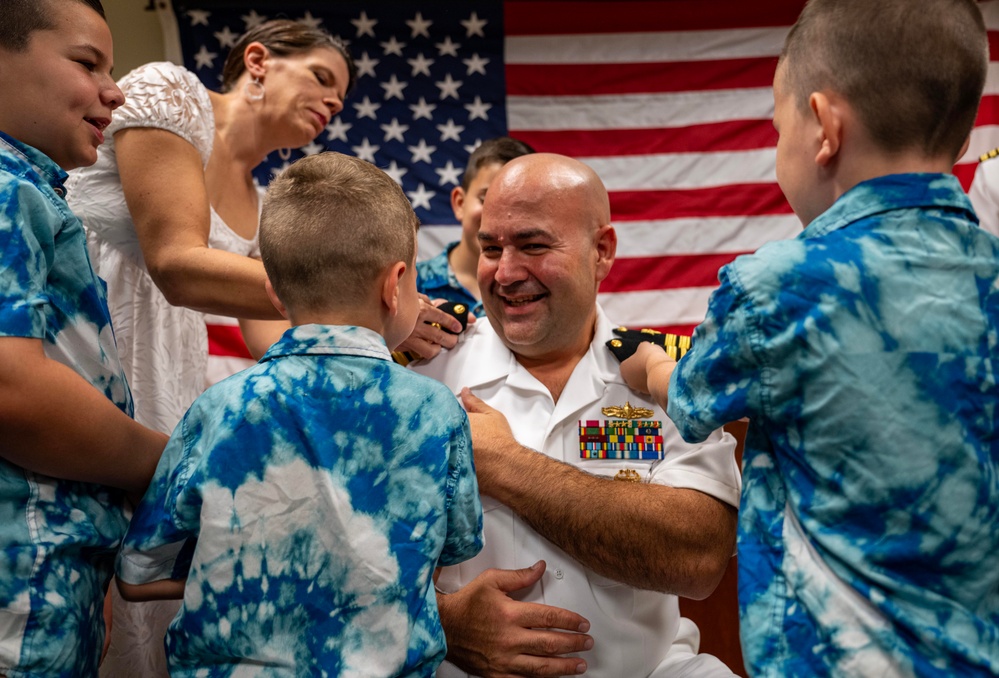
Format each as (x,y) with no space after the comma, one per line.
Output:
(670,102)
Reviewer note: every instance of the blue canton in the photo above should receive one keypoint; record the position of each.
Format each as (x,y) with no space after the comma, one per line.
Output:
(57,537)
(435,279)
(864,354)
(307,500)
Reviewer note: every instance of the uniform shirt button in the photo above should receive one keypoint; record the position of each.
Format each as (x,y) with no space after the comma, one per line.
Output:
(558,574)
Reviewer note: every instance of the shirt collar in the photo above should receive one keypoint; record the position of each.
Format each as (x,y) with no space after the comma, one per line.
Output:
(43,164)
(891,192)
(329,340)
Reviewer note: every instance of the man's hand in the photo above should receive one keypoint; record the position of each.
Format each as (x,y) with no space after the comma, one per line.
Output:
(429,335)
(493,636)
(649,371)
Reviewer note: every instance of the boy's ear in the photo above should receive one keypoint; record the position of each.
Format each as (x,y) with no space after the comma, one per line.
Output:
(390,287)
(829,117)
(272,295)
(458,202)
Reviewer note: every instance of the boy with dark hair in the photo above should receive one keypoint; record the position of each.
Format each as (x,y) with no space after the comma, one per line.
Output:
(864,354)
(452,274)
(69,450)
(307,500)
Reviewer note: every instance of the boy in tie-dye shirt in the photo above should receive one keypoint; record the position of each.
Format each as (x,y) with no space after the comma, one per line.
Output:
(307,500)
(864,353)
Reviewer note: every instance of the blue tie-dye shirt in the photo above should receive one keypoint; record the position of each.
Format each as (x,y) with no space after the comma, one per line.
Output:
(57,537)
(307,500)
(435,279)
(864,353)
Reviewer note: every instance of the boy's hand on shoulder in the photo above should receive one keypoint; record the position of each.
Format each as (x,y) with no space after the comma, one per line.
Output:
(649,371)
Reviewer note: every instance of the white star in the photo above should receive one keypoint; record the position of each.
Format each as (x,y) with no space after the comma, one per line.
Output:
(393,46)
(471,147)
(205,59)
(309,20)
(364,25)
(395,130)
(478,109)
(366,109)
(448,86)
(476,64)
(449,174)
(313,148)
(474,26)
(393,88)
(198,16)
(422,109)
(252,20)
(277,170)
(420,197)
(419,25)
(365,151)
(447,47)
(421,152)
(366,65)
(421,64)
(450,130)
(226,37)
(338,130)
(396,172)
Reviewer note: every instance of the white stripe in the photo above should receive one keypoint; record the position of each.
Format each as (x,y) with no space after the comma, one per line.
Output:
(671,237)
(990,12)
(992,79)
(983,140)
(432,239)
(645,47)
(683,306)
(638,111)
(685,170)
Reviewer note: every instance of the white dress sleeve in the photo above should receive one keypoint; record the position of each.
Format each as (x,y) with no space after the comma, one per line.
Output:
(170,97)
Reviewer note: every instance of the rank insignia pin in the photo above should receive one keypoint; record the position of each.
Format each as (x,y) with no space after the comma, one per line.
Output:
(627,412)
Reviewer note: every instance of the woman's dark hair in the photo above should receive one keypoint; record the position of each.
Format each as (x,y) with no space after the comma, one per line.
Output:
(20,19)
(283,37)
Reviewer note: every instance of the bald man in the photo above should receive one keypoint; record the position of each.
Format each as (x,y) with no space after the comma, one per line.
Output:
(587,546)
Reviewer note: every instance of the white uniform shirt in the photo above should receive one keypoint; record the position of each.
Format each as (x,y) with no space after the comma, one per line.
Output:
(633,630)
(984,194)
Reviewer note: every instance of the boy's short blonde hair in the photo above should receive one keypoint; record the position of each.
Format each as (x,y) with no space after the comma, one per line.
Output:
(913,70)
(330,226)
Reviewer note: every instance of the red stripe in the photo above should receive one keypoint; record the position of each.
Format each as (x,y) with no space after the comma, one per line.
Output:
(529,17)
(592,79)
(994,44)
(988,110)
(723,201)
(965,173)
(227,340)
(735,135)
(633,274)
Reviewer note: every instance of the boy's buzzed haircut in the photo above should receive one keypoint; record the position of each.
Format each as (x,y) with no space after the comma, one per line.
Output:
(498,151)
(330,225)
(913,70)
(19,19)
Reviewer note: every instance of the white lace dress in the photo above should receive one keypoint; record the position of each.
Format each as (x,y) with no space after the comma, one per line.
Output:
(163,348)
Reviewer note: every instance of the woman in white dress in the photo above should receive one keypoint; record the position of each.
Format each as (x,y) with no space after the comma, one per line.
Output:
(171,210)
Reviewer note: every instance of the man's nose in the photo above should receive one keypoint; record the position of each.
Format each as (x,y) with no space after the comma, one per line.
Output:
(509,268)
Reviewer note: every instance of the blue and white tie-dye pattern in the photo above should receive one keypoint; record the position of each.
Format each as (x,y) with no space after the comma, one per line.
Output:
(436,279)
(57,538)
(307,500)
(864,353)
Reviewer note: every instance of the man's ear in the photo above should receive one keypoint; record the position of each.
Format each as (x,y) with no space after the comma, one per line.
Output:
(458,202)
(828,115)
(255,59)
(606,243)
(390,286)
(272,295)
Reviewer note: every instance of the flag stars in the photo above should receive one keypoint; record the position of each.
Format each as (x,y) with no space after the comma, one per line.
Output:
(396,172)
(447,47)
(367,108)
(470,148)
(448,174)
(366,151)
(252,20)
(418,25)
(393,88)
(421,65)
(226,37)
(448,86)
(474,25)
(204,59)
(450,131)
(364,25)
(422,109)
(309,20)
(338,130)
(395,130)
(366,65)
(313,148)
(476,64)
(198,17)
(421,197)
(478,109)
(393,46)
(421,152)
